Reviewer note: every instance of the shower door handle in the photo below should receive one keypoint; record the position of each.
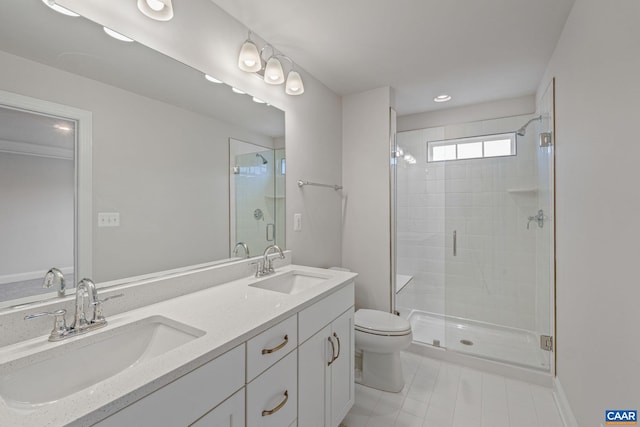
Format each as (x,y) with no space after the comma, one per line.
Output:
(271,236)
(455,243)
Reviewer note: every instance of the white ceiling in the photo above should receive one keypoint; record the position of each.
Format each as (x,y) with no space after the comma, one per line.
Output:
(474,50)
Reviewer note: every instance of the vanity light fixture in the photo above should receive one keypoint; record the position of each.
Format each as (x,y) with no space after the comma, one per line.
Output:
(63,10)
(271,71)
(249,59)
(442,98)
(160,10)
(212,79)
(116,35)
(294,84)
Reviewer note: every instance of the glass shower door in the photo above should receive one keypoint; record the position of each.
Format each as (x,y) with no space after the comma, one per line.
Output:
(497,302)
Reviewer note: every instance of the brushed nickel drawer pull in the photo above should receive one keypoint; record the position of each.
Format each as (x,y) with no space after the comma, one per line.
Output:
(276,348)
(338,339)
(280,405)
(333,351)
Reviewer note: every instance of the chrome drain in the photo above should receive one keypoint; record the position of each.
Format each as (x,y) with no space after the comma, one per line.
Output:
(466,342)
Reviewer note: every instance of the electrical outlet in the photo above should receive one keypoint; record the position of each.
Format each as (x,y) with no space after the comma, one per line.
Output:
(108,219)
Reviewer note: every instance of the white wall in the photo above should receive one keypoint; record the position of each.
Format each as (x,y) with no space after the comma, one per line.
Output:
(206,38)
(36,195)
(596,65)
(165,177)
(366,237)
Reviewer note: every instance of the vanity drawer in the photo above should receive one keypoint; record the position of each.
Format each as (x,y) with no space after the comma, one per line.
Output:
(270,346)
(272,398)
(320,314)
(183,401)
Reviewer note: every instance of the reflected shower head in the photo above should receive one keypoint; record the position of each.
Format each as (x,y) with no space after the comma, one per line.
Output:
(523,129)
(264,161)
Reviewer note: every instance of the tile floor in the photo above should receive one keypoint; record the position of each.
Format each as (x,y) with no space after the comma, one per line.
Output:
(440,394)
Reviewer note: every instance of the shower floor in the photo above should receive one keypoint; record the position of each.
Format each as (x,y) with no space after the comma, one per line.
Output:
(493,342)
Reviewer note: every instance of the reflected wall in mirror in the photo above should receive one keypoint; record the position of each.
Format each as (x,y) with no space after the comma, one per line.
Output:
(37,190)
(257,197)
(160,139)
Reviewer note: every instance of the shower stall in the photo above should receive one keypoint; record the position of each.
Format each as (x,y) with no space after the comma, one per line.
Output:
(474,237)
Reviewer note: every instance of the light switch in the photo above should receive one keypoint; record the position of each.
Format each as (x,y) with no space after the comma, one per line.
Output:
(297,222)
(108,219)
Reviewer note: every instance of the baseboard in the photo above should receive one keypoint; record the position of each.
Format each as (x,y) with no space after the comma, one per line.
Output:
(29,275)
(562,402)
(532,376)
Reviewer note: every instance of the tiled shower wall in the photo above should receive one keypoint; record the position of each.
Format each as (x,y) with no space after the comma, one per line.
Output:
(487,202)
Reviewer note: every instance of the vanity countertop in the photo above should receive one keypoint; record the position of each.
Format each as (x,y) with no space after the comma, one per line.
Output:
(228,313)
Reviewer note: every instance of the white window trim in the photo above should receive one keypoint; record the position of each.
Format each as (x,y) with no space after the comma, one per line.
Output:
(469,140)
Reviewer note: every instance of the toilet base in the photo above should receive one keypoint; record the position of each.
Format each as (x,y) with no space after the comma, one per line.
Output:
(382,371)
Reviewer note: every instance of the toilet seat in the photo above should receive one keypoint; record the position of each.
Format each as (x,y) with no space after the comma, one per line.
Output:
(381,323)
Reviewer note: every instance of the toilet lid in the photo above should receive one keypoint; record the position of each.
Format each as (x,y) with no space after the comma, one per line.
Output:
(381,323)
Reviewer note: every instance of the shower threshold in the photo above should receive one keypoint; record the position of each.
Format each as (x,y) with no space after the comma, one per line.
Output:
(493,342)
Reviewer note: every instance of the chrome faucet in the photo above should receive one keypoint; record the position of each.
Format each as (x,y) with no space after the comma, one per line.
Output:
(244,246)
(267,264)
(85,289)
(54,277)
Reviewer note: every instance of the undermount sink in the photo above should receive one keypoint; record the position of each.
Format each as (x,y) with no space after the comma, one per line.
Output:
(53,374)
(291,282)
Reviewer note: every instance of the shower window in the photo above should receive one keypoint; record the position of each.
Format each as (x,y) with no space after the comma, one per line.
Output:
(476,147)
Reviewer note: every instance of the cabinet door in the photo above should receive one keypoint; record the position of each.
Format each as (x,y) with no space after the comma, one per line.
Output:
(342,373)
(229,413)
(313,380)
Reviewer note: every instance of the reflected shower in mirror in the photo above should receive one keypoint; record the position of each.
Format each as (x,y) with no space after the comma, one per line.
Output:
(256,189)
(160,139)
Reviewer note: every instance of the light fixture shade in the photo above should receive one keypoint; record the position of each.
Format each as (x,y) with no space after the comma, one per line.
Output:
(160,10)
(273,72)
(249,58)
(294,84)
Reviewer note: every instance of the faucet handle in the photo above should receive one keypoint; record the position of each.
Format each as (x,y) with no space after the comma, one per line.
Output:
(98,317)
(59,323)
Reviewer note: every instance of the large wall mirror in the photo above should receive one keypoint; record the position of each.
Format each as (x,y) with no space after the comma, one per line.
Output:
(161,156)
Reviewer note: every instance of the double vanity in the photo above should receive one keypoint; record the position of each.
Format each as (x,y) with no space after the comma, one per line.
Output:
(237,350)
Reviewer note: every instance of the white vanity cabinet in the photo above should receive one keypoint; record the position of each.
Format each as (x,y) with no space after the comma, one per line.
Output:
(184,401)
(326,358)
(229,413)
(298,372)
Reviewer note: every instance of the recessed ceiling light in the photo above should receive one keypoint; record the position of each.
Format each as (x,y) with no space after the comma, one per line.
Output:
(116,35)
(212,79)
(442,98)
(63,128)
(52,4)
(258,100)
(238,91)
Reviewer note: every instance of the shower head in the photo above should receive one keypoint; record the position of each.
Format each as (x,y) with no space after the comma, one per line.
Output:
(264,161)
(523,129)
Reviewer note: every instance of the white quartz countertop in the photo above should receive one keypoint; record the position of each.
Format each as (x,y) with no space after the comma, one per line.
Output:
(228,313)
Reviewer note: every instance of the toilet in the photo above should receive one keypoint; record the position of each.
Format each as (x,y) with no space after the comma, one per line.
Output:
(381,337)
